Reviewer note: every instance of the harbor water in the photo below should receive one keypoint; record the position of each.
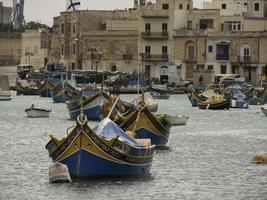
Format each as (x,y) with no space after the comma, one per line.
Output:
(206,159)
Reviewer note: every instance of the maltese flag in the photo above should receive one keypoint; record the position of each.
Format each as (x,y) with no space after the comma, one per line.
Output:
(73,5)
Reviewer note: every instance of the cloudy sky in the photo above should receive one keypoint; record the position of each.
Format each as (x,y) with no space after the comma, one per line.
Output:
(45,10)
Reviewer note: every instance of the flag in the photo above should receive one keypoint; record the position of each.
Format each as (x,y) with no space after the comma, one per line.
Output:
(73,5)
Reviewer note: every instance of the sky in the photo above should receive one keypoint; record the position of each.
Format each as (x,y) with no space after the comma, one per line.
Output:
(44,10)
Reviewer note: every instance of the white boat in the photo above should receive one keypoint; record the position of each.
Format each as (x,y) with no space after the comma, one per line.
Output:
(177,120)
(38,112)
(5,95)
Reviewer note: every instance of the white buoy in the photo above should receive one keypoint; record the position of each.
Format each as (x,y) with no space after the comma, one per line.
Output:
(59,173)
(259,159)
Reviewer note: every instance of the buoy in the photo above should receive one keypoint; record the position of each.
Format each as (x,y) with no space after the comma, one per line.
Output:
(59,173)
(259,159)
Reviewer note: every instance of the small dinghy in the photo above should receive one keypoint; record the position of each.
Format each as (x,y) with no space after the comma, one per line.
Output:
(37,112)
(177,120)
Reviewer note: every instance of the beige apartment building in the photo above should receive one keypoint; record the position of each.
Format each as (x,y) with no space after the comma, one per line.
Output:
(35,44)
(168,40)
(5,14)
(96,40)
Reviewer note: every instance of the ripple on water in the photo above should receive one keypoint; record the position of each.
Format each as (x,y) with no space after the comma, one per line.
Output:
(206,159)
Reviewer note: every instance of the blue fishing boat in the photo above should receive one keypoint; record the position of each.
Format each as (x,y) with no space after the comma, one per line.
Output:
(146,125)
(104,151)
(58,93)
(91,106)
(239,99)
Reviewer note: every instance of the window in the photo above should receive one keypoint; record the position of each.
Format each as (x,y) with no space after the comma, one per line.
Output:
(73,28)
(188,6)
(164,49)
(205,23)
(147,71)
(256,6)
(189,25)
(210,49)
(62,49)
(180,6)
(147,27)
(191,52)
(62,28)
(210,67)
(165,6)
(147,49)
(224,6)
(164,27)
(74,49)
(223,69)
(232,26)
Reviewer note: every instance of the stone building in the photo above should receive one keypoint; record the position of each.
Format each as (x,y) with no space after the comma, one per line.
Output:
(5,14)
(168,40)
(106,40)
(35,44)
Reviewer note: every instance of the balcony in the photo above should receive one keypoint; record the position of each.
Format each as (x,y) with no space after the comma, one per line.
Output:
(127,56)
(155,13)
(244,59)
(190,60)
(222,57)
(154,57)
(155,35)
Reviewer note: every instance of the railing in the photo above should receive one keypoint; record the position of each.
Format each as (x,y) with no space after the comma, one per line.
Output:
(127,56)
(244,59)
(155,35)
(222,57)
(154,57)
(155,13)
(190,60)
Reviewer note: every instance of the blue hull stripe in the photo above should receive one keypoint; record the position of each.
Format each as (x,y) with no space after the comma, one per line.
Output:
(155,139)
(92,165)
(91,113)
(59,99)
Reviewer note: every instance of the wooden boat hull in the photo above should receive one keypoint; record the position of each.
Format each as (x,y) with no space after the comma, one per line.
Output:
(239,103)
(264,110)
(58,93)
(215,106)
(91,107)
(146,125)
(5,96)
(36,113)
(29,91)
(176,120)
(195,99)
(88,154)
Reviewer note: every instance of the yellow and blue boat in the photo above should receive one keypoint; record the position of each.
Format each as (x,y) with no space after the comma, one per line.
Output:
(91,106)
(104,151)
(58,93)
(195,98)
(146,125)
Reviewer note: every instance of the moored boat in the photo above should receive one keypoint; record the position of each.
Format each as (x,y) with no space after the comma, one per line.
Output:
(91,106)
(177,120)
(216,104)
(194,98)
(150,102)
(105,150)
(5,95)
(34,112)
(24,87)
(264,110)
(146,125)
